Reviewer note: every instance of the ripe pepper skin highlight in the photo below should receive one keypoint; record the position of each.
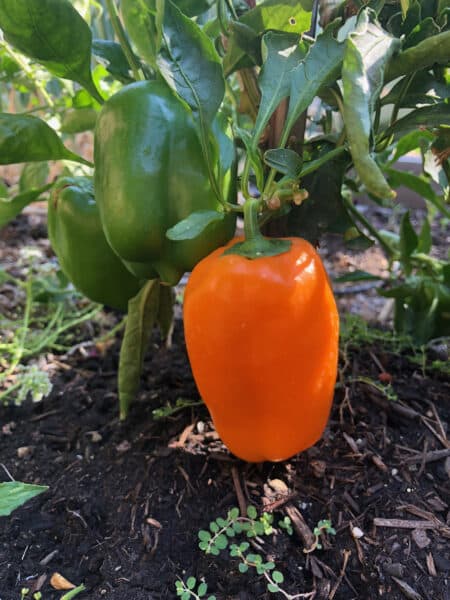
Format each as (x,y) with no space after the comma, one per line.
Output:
(77,238)
(149,175)
(262,340)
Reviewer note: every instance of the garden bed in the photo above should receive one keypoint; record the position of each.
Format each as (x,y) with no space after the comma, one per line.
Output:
(126,500)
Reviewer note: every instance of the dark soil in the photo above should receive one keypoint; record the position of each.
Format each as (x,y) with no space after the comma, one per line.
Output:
(126,500)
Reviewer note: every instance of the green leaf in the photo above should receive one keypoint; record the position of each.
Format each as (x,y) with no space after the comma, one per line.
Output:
(194,225)
(189,52)
(424,89)
(191,582)
(277,576)
(318,69)
(25,138)
(252,513)
(281,52)
(233,513)
(426,117)
(77,120)
(408,239)
(243,568)
(366,54)
(143,22)
(112,57)
(292,16)
(432,50)
(185,596)
(11,207)
(273,588)
(142,315)
(13,494)
(54,34)
(33,176)
(418,183)
(357,276)
(193,8)
(284,161)
(409,142)
(324,209)
(222,542)
(202,589)
(425,238)
(203,535)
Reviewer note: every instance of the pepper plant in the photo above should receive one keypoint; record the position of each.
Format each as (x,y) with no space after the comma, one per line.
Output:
(315,101)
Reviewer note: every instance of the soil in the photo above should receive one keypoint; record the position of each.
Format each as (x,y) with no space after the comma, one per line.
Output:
(126,500)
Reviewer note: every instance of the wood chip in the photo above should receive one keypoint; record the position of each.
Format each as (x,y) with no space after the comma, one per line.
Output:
(429,456)
(58,582)
(430,565)
(420,538)
(300,526)
(404,523)
(351,442)
(407,590)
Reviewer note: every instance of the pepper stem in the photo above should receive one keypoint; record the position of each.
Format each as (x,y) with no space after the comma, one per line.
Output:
(251,227)
(255,244)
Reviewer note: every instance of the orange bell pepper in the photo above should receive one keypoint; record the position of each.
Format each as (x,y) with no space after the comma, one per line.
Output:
(262,339)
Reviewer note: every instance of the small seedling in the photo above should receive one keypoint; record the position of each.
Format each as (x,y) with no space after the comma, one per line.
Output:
(323,527)
(191,589)
(38,595)
(169,409)
(224,533)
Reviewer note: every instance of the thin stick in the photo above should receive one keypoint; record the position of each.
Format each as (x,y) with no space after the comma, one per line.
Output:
(239,493)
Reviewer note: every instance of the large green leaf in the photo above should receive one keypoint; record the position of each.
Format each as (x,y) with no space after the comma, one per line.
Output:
(77,120)
(190,64)
(419,184)
(281,52)
(11,207)
(284,161)
(423,89)
(193,8)
(34,175)
(143,22)
(293,16)
(142,315)
(111,55)
(14,493)
(426,117)
(25,138)
(367,51)
(193,225)
(318,69)
(408,242)
(54,34)
(324,209)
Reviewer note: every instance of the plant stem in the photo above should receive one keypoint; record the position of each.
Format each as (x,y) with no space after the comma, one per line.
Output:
(232,9)
(123,40)
(251,225)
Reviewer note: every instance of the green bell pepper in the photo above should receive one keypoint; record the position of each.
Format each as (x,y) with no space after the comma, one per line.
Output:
(150,174)
(77,238)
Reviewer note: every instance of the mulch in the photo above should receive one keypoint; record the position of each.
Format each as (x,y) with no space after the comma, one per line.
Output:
(126,499)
